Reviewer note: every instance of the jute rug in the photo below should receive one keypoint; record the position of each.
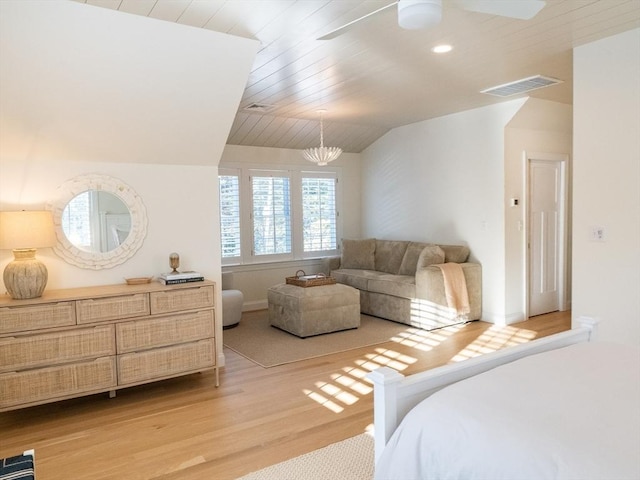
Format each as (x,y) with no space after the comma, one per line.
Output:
(351,459)
(268,346)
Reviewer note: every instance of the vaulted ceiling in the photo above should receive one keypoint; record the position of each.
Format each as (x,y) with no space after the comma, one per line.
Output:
(377,76)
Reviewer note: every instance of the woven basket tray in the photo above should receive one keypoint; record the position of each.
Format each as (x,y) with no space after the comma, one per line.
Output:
(303,280)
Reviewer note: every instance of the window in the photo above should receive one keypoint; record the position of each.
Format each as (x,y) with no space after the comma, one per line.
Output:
(271,214)
(319,214)
(230,215)
(76,221)
(275,215)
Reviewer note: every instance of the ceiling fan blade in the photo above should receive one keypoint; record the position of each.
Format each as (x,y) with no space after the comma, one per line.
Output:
(340,30)
(522,9)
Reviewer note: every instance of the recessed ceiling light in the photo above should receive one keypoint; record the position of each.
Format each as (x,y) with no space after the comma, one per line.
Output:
(442,48)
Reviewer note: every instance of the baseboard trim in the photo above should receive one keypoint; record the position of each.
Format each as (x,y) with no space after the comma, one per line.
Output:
(255,305)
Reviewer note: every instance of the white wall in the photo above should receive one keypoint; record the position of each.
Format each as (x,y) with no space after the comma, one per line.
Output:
(254,280)
(448,180)
(539,127)
(606,275)
(89,83)
(91,90)
(442,181)
(175,224)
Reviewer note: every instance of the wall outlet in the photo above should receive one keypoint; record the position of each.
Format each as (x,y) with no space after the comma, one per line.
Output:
(597,234)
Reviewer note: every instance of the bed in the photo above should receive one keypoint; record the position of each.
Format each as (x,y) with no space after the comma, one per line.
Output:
(560,407)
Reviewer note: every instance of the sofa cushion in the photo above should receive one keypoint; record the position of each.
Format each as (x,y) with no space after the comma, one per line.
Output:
(455,253)
(430,255)
(354,277)
(403,286)
(410,259)
(389,255)
(358,254)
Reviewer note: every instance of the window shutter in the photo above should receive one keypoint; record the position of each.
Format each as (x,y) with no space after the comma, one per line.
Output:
(271,215)
(319,214)
(230,215)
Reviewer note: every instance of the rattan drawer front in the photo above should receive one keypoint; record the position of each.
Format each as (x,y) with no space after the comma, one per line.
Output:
(112,308)
(28,351)
(159,332)
(165,362)
(55,382)
(33,317)
(181,299)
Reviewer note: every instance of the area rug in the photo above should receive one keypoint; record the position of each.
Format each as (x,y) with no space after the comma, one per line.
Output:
(351,459)
(268,346)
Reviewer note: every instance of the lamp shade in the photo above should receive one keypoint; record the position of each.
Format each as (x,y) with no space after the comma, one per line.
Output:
(26,229)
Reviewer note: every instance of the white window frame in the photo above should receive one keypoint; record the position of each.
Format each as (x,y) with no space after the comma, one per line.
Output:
(295,173)
(298,224)
(233,172)
(271,257)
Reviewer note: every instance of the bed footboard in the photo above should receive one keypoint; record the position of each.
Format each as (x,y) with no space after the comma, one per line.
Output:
(395,394)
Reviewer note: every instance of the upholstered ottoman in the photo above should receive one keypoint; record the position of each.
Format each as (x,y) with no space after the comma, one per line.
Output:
(313,310)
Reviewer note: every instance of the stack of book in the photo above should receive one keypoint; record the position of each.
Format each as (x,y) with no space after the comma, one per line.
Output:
(173,278)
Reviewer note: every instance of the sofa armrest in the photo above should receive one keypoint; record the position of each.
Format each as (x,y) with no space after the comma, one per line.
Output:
(330,263)
(430,286)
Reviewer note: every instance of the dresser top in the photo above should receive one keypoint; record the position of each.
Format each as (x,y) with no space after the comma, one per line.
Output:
(98,291)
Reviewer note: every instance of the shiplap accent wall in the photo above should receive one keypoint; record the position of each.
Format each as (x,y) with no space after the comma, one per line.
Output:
(444,181)
(441,181)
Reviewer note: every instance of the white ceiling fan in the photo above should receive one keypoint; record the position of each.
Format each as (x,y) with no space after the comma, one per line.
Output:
(420,14)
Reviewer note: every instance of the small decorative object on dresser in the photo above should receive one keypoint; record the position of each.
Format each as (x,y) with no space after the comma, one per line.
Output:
(174,262)
(184,277)
(82,341)
(138,280)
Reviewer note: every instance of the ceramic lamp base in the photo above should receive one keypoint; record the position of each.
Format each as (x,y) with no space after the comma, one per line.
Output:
(26,276)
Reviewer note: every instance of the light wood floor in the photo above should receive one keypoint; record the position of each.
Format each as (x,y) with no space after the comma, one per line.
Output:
(187,429)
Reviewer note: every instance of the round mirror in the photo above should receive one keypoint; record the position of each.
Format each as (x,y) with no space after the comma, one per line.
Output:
(96,221)
(100,221)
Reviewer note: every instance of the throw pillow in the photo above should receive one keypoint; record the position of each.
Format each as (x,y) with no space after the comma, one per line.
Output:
(430,255)
(389,255)
(358,254)
(455,253)
(410,259)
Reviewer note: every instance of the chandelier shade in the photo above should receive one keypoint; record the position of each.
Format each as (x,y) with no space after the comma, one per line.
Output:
(321,155)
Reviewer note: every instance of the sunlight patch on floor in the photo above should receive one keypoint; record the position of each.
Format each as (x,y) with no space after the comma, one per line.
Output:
(351,383)
(324,401)
(495,338)
(337,393)
(425,340)
(346,387)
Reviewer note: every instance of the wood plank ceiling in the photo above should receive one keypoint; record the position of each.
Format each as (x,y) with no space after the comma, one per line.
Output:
(378,76)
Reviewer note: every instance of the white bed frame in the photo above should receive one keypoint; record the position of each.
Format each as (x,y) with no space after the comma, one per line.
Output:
(395,394)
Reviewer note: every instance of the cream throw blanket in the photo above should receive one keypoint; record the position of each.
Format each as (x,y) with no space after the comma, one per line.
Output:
(455,287)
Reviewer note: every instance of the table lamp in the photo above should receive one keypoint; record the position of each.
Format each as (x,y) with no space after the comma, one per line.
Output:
(23,232)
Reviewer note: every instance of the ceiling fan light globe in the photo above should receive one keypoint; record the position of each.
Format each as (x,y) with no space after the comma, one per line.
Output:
(418,14)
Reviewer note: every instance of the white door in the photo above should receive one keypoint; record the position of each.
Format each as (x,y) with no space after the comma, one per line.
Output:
(546,232)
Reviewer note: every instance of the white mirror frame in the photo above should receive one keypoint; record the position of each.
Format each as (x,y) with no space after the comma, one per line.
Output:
(99,260)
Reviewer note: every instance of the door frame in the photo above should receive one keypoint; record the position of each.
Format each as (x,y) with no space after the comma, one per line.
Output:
(563,228)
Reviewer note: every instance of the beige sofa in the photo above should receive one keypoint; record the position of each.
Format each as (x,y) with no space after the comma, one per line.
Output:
(398,280)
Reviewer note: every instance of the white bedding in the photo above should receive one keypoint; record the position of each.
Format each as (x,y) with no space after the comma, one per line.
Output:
(571,413)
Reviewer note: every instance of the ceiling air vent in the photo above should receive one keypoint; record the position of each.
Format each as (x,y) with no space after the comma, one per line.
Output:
(259,108)
(521,86)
